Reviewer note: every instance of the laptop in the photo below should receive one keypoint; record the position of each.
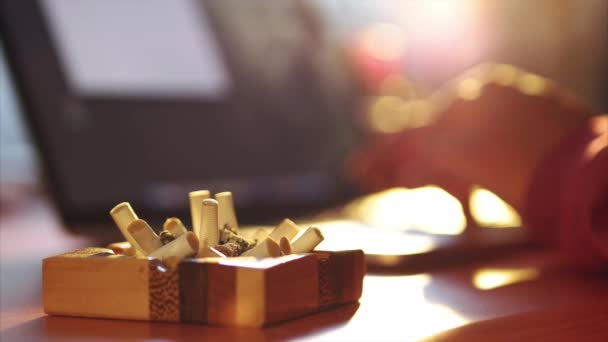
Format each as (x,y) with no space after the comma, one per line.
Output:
(146,103)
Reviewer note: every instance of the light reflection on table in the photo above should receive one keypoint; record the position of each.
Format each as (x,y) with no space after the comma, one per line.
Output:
(400,304)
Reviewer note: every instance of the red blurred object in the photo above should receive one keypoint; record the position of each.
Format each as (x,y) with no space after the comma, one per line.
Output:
(378,51)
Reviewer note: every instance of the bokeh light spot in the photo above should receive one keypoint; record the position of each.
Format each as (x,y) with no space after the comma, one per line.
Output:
(492,278)
(531,84)
(503,74)
(489,210)
(428,209)
(469,89)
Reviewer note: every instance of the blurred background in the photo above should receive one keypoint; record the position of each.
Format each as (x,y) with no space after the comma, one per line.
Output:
(266,99)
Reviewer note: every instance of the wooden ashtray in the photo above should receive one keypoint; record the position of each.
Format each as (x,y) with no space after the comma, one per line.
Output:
(95,282)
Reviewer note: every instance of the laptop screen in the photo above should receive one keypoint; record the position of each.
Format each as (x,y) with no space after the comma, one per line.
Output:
(116,49)
(144,103)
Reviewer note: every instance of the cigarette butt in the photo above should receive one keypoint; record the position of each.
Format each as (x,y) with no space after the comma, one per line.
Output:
(209,229)
(175,226)
(226,212)
(287,229)
(307,241)
(123,215)
(183,246)
(260,234)
(268,248)
(196,204)
(285,246)
(122,248)
(145,236)
(210,252)
(272,248)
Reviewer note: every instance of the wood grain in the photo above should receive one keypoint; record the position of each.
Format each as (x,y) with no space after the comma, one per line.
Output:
(250,298)
(292,289)
(96,283)
(245,292)
(193,291)
(253,293)
(221,291)
(340,277)
(327,287)
(164,292)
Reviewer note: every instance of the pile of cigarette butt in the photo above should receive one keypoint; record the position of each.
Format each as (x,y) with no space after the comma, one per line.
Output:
(215,233)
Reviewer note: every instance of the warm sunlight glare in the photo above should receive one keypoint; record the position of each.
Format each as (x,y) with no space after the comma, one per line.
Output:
(491,278)
(469,89)
(387,114)
(531,84)
(489,210)
(384,41)
(503,74)
(381,306)
(391,114)
(348,235)
(419,112)
(428,209)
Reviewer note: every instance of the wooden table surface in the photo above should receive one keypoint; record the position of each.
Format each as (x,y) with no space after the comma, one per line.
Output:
(525,296)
